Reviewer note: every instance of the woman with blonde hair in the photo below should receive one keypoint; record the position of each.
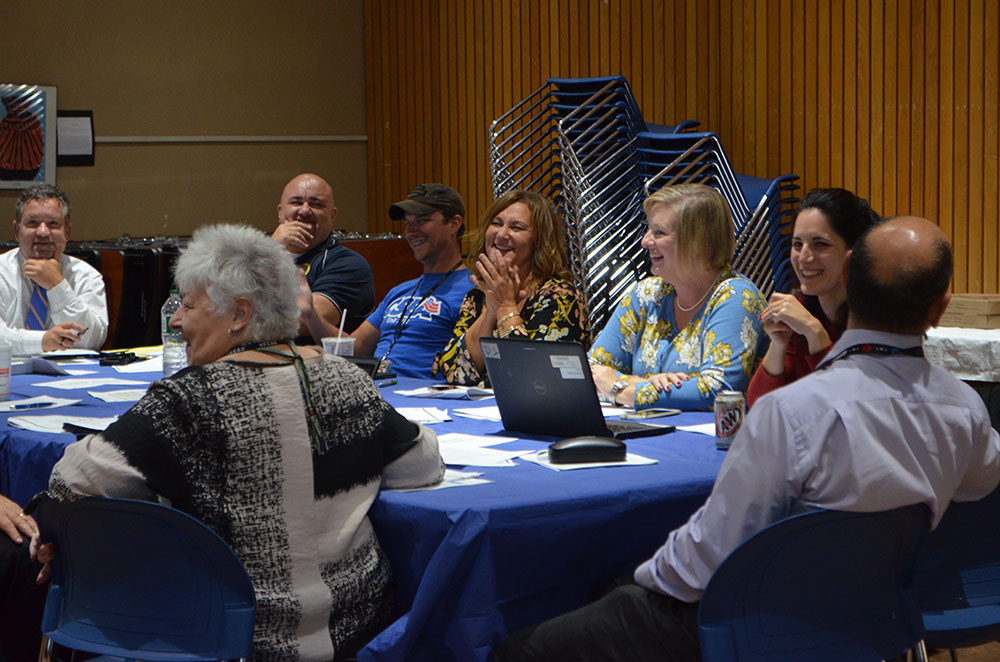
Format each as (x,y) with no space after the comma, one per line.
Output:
(691,330)
(523,288)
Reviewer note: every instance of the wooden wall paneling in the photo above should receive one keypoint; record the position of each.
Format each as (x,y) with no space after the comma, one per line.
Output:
(749,86)
(810,94)
(895,99)
(946,211)
(824,97)
(614,37)
(914,147)
(890,119)
(798,91)
(991,142)
(835,20)
(850,95)
(877,121)
(977,251)
(479,158)
(863,85)
(931,162)
(772,105)
(373,64)
(960,180)
(901,151)
(733,118)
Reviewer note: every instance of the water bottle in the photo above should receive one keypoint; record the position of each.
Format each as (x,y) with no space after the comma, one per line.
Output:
(174,351)
(4,371)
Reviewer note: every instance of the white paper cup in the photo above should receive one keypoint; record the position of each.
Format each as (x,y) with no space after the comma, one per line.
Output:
(343,346)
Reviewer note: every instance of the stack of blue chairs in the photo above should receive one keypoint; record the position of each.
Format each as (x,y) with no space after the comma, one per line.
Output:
(584,143)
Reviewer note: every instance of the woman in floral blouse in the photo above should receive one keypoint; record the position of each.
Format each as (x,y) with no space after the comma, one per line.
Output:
(523,289)
(691,330)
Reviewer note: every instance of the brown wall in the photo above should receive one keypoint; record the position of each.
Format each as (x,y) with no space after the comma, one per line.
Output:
(185,68)
(895,99)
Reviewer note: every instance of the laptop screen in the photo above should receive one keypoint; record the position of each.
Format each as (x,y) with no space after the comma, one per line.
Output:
(543,388)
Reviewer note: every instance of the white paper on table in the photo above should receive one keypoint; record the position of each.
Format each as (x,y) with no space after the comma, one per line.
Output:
(54,422)
(448,392)
(471,440)
(701,428)
(475,456)
(425,415)
(37,402)
(78,373)
(36,366)
(631,459)
(121,395)
(154,364)
(452,478)
(85,382)
(479,413)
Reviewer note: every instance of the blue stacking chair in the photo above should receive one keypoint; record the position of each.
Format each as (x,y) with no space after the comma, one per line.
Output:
(822,586)
(133,579)
(958,576)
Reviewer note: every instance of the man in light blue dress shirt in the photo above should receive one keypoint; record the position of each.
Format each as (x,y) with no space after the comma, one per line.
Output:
(876,427)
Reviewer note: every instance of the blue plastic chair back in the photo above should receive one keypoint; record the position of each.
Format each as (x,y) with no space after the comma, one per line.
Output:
(825,585)
(137,579)
(958,575)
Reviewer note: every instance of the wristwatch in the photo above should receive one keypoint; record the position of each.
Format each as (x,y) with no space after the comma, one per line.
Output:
(617,388)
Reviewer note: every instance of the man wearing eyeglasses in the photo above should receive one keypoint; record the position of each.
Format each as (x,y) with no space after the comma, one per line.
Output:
(48,300)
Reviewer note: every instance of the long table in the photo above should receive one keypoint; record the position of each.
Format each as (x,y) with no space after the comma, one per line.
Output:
(472,564)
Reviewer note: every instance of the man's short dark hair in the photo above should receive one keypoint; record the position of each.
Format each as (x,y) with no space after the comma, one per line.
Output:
(902,302)
(41,192)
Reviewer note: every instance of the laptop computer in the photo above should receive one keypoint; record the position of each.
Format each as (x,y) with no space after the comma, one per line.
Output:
(546,388)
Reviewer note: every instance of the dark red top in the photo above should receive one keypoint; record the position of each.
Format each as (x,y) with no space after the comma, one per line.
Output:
(798,361)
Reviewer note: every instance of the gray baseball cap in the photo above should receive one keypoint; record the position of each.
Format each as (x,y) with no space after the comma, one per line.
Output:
(428,198)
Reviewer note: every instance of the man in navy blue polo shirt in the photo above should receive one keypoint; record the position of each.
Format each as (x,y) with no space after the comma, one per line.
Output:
(339,278)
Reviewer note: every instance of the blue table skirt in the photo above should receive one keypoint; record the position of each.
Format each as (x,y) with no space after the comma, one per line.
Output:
(473,564)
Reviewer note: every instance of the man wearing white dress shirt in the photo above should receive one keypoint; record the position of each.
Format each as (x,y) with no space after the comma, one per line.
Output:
(876,427)
(48,300)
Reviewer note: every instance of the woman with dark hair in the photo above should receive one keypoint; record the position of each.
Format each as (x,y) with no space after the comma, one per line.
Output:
(803,326)
(523,288)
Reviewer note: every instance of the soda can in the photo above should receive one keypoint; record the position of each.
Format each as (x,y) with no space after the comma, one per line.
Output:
(730,408)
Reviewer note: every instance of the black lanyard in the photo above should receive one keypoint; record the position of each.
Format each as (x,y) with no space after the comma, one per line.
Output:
(877,349)
(319,441)
(403,318)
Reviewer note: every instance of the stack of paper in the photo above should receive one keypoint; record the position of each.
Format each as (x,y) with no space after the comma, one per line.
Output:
(469,450)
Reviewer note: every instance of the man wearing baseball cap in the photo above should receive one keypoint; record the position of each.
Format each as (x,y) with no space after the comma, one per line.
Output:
(416,318)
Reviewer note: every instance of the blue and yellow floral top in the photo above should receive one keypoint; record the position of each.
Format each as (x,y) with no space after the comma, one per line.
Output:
(718,348)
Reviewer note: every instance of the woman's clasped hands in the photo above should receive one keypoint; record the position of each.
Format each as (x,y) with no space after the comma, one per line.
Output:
(500,282)
(785,315)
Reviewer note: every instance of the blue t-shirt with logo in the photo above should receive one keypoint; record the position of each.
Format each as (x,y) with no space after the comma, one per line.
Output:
(426,324)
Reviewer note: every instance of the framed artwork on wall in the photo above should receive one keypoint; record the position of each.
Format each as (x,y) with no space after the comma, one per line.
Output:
(27,135)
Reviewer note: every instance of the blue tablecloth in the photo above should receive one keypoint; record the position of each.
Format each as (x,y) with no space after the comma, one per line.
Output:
(472,564)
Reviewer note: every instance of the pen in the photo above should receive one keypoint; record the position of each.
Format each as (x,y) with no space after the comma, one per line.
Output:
(29,405)
(391,382)
(80,333)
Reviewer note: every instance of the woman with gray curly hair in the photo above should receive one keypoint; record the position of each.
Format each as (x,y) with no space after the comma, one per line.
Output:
(230,438)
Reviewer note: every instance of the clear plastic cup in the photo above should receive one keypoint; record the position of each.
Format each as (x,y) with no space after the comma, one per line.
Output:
(343,346)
